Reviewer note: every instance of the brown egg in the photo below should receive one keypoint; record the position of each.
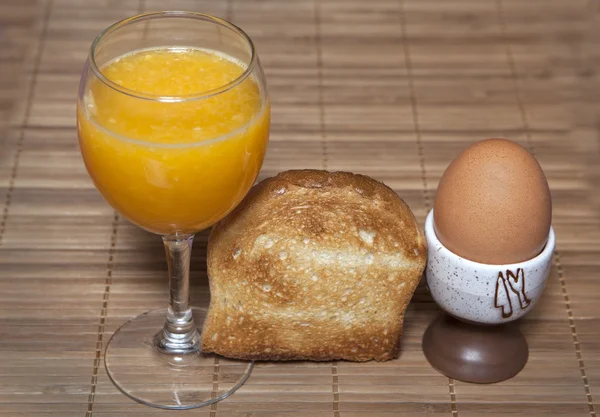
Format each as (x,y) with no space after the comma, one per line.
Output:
(493,204)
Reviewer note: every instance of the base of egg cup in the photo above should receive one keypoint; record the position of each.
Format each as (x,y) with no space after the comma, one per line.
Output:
(477,354)
(484,293)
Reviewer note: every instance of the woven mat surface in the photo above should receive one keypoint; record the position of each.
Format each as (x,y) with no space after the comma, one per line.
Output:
(389,88)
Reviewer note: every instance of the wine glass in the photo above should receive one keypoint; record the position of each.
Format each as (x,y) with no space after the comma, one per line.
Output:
(173,119)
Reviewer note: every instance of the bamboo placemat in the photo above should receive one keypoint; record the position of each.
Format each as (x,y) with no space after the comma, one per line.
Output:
(390,88)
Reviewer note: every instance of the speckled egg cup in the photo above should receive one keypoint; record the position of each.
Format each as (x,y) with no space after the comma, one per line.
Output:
(483,293)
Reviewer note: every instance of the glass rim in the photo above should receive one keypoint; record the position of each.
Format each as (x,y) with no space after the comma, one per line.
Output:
(171,99)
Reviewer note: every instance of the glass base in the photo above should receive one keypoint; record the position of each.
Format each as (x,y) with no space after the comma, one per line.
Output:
(169,381)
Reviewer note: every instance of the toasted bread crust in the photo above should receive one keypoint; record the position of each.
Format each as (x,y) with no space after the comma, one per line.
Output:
(313,265)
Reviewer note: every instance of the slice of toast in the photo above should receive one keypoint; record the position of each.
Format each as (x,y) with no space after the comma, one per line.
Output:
(313,265)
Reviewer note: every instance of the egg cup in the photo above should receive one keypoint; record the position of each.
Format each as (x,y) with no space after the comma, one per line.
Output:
(480,346)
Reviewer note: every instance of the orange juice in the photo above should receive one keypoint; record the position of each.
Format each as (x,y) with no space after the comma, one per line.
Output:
(173,165)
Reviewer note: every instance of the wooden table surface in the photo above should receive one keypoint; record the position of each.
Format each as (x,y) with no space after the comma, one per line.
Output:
(389,88)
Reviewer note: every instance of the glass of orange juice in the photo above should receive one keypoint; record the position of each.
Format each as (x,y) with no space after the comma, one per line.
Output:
(173,120)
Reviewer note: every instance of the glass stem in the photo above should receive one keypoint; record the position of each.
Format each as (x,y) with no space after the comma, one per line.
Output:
(179,335)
